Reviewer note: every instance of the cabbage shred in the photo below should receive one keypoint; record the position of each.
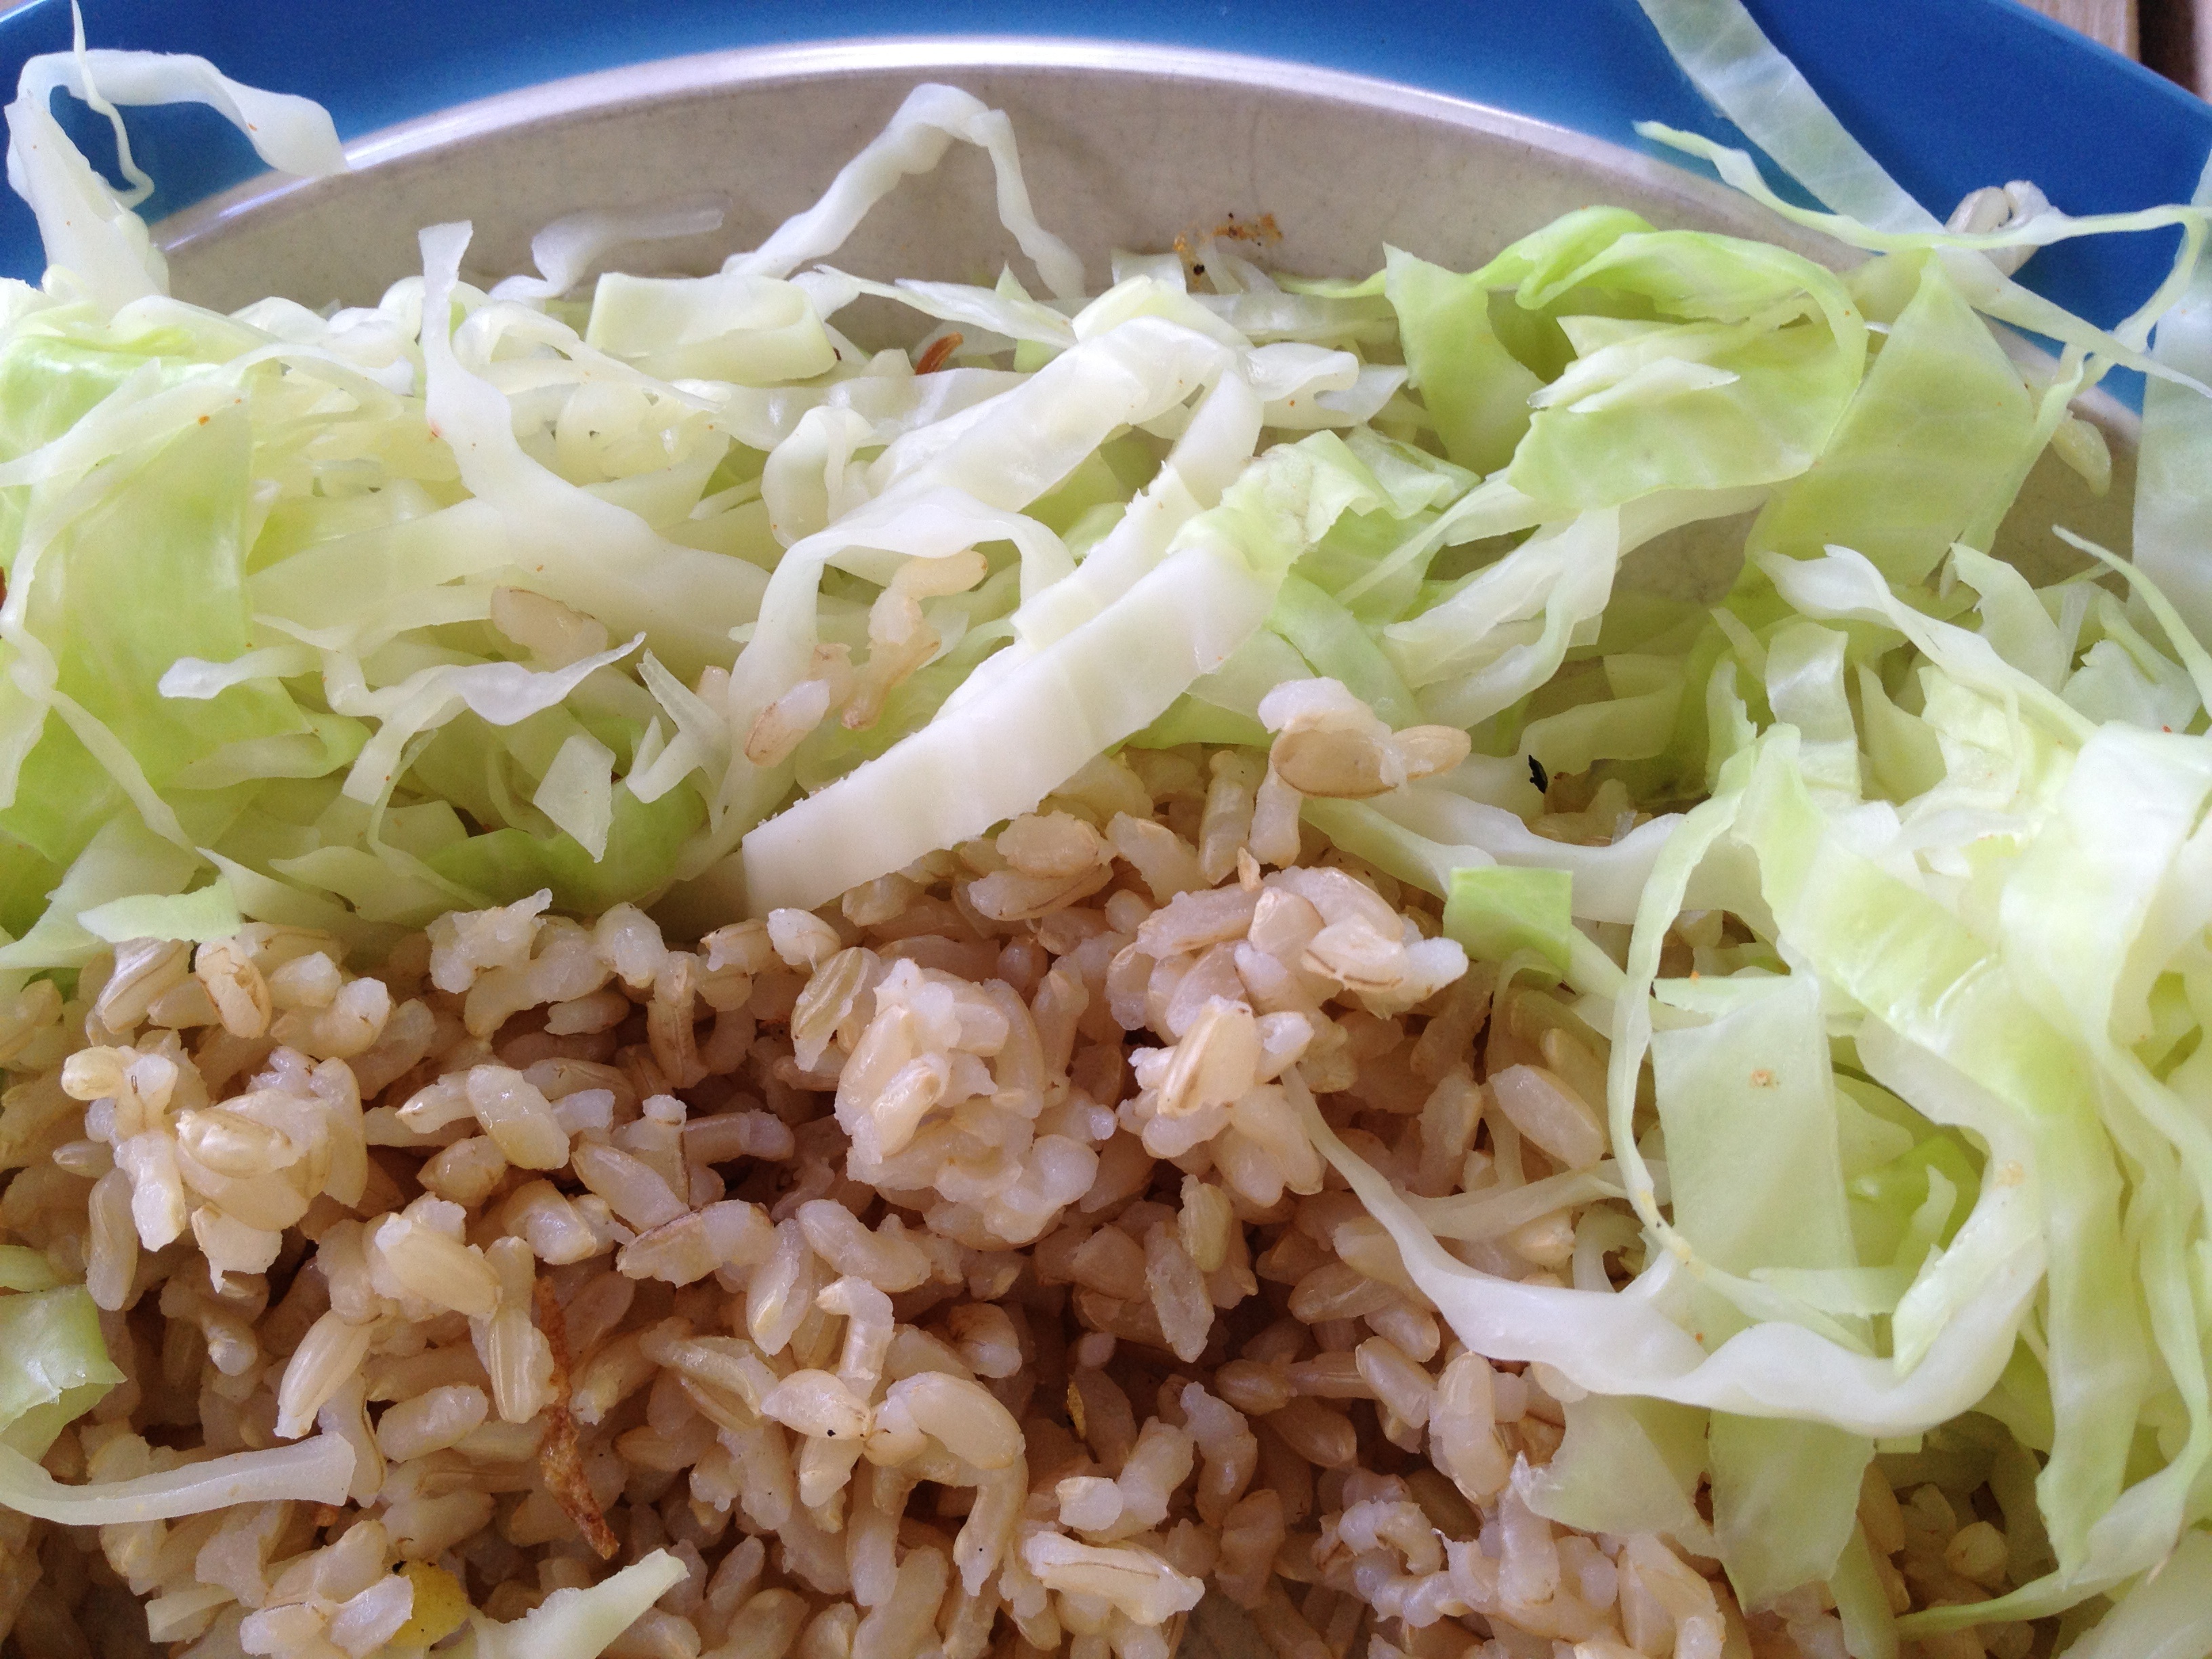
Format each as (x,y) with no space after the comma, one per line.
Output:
(674,594)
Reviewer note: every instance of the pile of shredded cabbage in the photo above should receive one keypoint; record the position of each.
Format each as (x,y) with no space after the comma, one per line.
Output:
(674,595)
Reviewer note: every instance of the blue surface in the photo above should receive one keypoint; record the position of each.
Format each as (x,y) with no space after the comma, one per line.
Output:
(1950,96)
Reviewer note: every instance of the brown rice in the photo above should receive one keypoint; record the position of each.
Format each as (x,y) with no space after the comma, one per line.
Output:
(944,1270)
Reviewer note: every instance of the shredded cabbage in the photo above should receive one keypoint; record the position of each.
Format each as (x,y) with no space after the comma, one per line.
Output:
(54,1368)
(577,1623)
(1496,909)
(676,595)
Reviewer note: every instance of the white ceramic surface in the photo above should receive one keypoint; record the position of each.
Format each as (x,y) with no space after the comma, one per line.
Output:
(1125,146)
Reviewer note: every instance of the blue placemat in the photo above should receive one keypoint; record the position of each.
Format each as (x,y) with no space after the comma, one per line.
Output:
(1950,96)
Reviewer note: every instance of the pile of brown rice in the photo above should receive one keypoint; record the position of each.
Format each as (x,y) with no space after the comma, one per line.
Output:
(946,1271)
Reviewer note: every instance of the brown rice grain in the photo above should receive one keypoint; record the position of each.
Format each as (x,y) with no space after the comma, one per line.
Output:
(1322,1435)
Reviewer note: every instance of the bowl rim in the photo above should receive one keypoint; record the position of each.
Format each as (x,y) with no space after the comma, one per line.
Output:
(631,85)
(752,66)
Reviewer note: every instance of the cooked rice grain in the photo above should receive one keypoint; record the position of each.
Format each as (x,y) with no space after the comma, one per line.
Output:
(948,1269)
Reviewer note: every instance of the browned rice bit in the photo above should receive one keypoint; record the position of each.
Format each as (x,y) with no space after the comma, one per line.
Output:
(945,1272)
